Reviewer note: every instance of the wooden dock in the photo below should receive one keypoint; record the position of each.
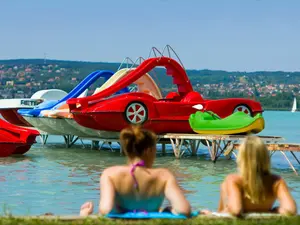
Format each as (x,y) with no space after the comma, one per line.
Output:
(226,145)
(217,145)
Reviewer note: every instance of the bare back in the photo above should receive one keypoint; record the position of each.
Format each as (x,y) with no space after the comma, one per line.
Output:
(149,193)
(233,196)
(153,185)
(270,184)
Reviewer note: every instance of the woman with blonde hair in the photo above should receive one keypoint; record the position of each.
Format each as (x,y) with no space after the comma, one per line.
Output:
(137,186)
(255,188)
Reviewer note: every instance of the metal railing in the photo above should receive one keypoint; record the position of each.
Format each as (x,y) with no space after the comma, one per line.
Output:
(130,63)
(169,51)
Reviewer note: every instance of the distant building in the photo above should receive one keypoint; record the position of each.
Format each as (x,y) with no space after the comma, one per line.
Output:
(10,83)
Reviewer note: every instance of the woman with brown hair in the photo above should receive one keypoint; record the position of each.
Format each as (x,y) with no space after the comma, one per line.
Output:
(137,186)
(255,188)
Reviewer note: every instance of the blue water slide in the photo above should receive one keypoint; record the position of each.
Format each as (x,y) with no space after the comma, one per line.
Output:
(78,90)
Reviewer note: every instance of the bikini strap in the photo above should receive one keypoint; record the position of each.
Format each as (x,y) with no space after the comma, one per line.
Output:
(140,163)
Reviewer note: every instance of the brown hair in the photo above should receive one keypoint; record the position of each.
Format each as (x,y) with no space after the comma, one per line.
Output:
(135,140)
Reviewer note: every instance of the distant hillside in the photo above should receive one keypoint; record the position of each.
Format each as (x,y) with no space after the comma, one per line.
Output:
(90,66)
(275,90)
(204,76)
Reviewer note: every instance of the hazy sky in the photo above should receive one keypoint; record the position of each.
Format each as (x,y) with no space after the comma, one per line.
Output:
(244,35)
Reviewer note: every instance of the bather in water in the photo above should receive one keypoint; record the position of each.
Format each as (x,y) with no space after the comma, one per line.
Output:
(137,186)
(255,189)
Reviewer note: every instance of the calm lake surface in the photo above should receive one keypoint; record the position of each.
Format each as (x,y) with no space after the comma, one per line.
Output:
(54,179)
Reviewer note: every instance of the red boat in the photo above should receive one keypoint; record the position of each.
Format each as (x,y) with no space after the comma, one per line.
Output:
(14,117)
(170,114)
(14,139)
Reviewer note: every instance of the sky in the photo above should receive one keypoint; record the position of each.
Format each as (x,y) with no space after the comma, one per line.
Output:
(232,35)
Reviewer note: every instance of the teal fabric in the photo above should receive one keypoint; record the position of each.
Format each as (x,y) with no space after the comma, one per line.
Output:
(149,215)
(128,203)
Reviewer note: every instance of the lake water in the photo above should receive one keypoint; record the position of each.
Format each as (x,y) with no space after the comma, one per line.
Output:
(54,179)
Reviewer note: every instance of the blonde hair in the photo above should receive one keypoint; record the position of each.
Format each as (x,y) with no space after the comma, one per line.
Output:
(254,163)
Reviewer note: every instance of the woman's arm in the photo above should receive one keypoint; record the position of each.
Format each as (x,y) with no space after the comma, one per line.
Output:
(173,193)
(107,193)
(223,197)
(287,204)
(232,191)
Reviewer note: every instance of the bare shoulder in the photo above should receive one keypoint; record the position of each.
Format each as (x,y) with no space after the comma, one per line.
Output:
(277,181)
(233,178)
(276,178)
(163,173)
(113,170)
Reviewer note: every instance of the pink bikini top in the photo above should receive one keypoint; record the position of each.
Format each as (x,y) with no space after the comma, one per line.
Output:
(142,164)
(134,166)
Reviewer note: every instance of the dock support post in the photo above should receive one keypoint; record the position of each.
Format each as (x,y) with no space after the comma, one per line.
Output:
(83,145)
(228,149)
(73,141)
(121,150)
(177,147)
(163,147)
(194,146)
(214,151)
(44,138)
(109,142)
(293,154)
(291,165)
(69,140)
(95,145)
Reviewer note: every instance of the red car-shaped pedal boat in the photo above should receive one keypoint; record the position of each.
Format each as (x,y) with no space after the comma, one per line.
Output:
(15,139)
(168,115)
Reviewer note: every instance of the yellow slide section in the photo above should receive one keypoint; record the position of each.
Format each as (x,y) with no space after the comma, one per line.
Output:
(145,84)
(113,79)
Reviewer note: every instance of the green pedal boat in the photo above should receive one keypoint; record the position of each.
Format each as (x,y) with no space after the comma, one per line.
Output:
(236,123)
